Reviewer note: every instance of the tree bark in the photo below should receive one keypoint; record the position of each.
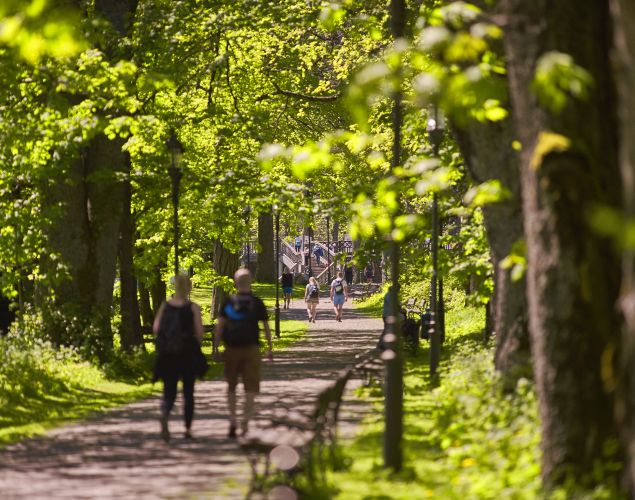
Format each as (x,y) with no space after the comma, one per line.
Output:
(487,150)
(145,308)
(158,291)
(623,12)
(573,278)
(266,269)
(86,237)
(130,326)
(225,264)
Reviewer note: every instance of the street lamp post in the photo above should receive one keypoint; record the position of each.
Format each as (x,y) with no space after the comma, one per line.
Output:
(328,247)
(435,133)
(176,150)
(277,311)
(246,215)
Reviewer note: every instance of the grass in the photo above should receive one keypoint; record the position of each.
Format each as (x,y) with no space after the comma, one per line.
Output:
(464,438)
(42,387)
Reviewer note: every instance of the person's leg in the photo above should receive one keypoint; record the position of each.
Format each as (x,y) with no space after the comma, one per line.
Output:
(340,309)
(314,311)
(188,398)
(170,380)
(308,310)
(251,381)
(231,375)
(335,308)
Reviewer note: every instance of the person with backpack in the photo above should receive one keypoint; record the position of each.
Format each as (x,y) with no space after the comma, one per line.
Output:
(348,271)
(339,295)
(178,328)
(238,328)
(312,298)
(287,287)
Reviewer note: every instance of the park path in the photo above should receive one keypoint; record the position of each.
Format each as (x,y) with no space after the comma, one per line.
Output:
(119,454)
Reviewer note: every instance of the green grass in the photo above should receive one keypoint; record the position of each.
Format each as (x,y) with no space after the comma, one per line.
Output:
(462,437)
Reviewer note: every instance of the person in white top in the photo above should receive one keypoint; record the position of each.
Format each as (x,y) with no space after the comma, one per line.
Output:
(339,295)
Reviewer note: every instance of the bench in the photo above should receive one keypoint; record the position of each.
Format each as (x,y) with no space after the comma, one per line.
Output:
(368,289)
(294,440)
(412,309)
(369,366)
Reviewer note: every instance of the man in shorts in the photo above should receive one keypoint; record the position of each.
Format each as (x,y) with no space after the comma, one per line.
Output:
(238,329)
(339,295)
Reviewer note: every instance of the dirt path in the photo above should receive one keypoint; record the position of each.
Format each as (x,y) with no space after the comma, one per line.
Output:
(119,455)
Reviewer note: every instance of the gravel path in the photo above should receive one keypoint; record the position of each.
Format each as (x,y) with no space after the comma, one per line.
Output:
(119,455)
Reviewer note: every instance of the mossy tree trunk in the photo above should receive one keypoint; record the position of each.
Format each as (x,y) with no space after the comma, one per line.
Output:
(573,277)
(623,12)
(487,150)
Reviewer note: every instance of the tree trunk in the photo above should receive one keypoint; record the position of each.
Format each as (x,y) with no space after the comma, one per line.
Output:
(624,24)
(147,316)
(158,291)
(86,237)
(130,327)
(266,269)
(225,264)
(573,277)
(336,231)
(487,150)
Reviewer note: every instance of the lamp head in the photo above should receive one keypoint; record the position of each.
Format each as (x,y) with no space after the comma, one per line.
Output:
(176,149)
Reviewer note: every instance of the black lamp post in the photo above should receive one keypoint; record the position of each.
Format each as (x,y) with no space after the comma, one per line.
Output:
(277,311)
(176,150)
(435,129)
(246,215)
(328,248)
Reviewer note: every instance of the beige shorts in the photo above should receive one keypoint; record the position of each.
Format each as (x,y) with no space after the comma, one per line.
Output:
(312,301)
(243,362)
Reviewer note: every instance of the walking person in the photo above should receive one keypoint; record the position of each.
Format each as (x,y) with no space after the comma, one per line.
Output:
(287,287)
(348,271)
(238,328)
(312,298)
(318,252)
(298,244)
(178,328)
(339,295)
(369,272)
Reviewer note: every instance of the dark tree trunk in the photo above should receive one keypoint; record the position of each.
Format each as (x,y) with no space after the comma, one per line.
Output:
(573,277)
(145,308)
(86,236)
(624,21)
(225,264)
(130,327)
(336,231)
(488,153)
(158,290)
(266,269)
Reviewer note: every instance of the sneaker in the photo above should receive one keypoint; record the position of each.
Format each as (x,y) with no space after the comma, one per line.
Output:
(188,434)
(232,432)
(165,432)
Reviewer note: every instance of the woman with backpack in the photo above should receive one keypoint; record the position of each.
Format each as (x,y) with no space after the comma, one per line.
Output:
(339,295)
(312,298)
(178,328)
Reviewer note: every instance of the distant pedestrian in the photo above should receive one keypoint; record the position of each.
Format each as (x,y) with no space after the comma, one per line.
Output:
(298,244)
(339,295)
(318,252)
(312,298)
(307,256)
(239,330)
(287,287)
(369,273)
(179,332)
(348,272)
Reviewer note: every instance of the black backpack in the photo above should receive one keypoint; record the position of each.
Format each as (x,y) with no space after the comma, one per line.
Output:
(314,292)
(240,327)
(339,287)
(174,333)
